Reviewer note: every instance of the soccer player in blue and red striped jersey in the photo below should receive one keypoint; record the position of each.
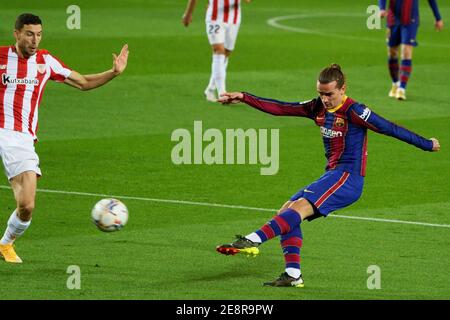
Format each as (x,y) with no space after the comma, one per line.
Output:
(403,23)
(343,124)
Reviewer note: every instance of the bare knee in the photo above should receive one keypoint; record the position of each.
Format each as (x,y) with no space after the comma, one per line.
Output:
(24,186)
(219,49)
(303,207)
(407,52)
(284,206)
(393,52)
(25,210)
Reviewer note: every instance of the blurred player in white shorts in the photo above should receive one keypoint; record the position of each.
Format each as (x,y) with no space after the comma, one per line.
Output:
(223,18)
(24,72)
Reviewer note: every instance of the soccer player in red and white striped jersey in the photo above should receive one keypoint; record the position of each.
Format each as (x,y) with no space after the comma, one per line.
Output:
(24,72)
(223,18)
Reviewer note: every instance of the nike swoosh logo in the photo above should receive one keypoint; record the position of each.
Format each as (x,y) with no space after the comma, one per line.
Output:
(306,190)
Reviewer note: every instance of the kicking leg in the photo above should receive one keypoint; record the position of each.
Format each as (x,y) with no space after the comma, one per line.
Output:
(280,224)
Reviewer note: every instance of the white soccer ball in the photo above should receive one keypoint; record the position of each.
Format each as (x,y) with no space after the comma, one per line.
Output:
(109,215)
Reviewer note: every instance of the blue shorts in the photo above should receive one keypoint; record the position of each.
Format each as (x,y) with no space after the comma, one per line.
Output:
(403,35)
(334,190)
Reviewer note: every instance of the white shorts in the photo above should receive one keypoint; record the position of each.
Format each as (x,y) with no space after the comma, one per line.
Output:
(219,32)
(17,153)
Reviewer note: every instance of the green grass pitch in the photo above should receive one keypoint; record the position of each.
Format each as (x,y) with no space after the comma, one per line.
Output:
(116,141)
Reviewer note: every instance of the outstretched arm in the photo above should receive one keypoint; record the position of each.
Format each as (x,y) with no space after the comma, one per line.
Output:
(275,107)
(363,116)
(92,81)
(187,16)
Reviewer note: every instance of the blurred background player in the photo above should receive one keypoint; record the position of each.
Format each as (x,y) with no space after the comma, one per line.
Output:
(343,124)
(223,18)
(24,72)
(403,23)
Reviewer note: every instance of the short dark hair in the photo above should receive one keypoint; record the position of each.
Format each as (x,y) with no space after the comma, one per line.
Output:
(27,18)
(332,73)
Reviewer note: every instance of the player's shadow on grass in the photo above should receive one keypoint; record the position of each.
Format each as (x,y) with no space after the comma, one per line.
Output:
(143,243)
(237,273)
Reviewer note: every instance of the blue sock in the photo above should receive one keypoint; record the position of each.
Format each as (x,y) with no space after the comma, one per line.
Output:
(291,243)
(280,224)
(405,72)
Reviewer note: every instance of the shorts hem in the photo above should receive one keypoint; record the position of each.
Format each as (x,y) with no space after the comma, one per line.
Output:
(18,172)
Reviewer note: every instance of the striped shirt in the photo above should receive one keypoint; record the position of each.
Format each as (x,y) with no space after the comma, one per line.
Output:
(344,131)
(224,11)
(22,83)
(406,12)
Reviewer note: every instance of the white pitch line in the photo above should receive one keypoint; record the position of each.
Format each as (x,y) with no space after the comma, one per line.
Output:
(275,22)
(206,204)
(394,221)
(220,205)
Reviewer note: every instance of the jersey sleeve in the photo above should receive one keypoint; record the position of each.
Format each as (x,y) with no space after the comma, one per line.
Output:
(382,4)
(280,108)
(364,117)
(59,71)
(434,7)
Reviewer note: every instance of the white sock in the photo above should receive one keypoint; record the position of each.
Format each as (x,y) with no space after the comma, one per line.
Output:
(293,272)
(211,84)
(225,66)
(254,237)
(15,228)
(218,72)
(226,63)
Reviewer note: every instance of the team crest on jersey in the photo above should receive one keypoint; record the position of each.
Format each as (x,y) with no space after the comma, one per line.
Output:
(41,68)
(2,66)
(339,122)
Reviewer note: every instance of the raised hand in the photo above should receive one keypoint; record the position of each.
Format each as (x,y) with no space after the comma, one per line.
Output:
(120,62)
